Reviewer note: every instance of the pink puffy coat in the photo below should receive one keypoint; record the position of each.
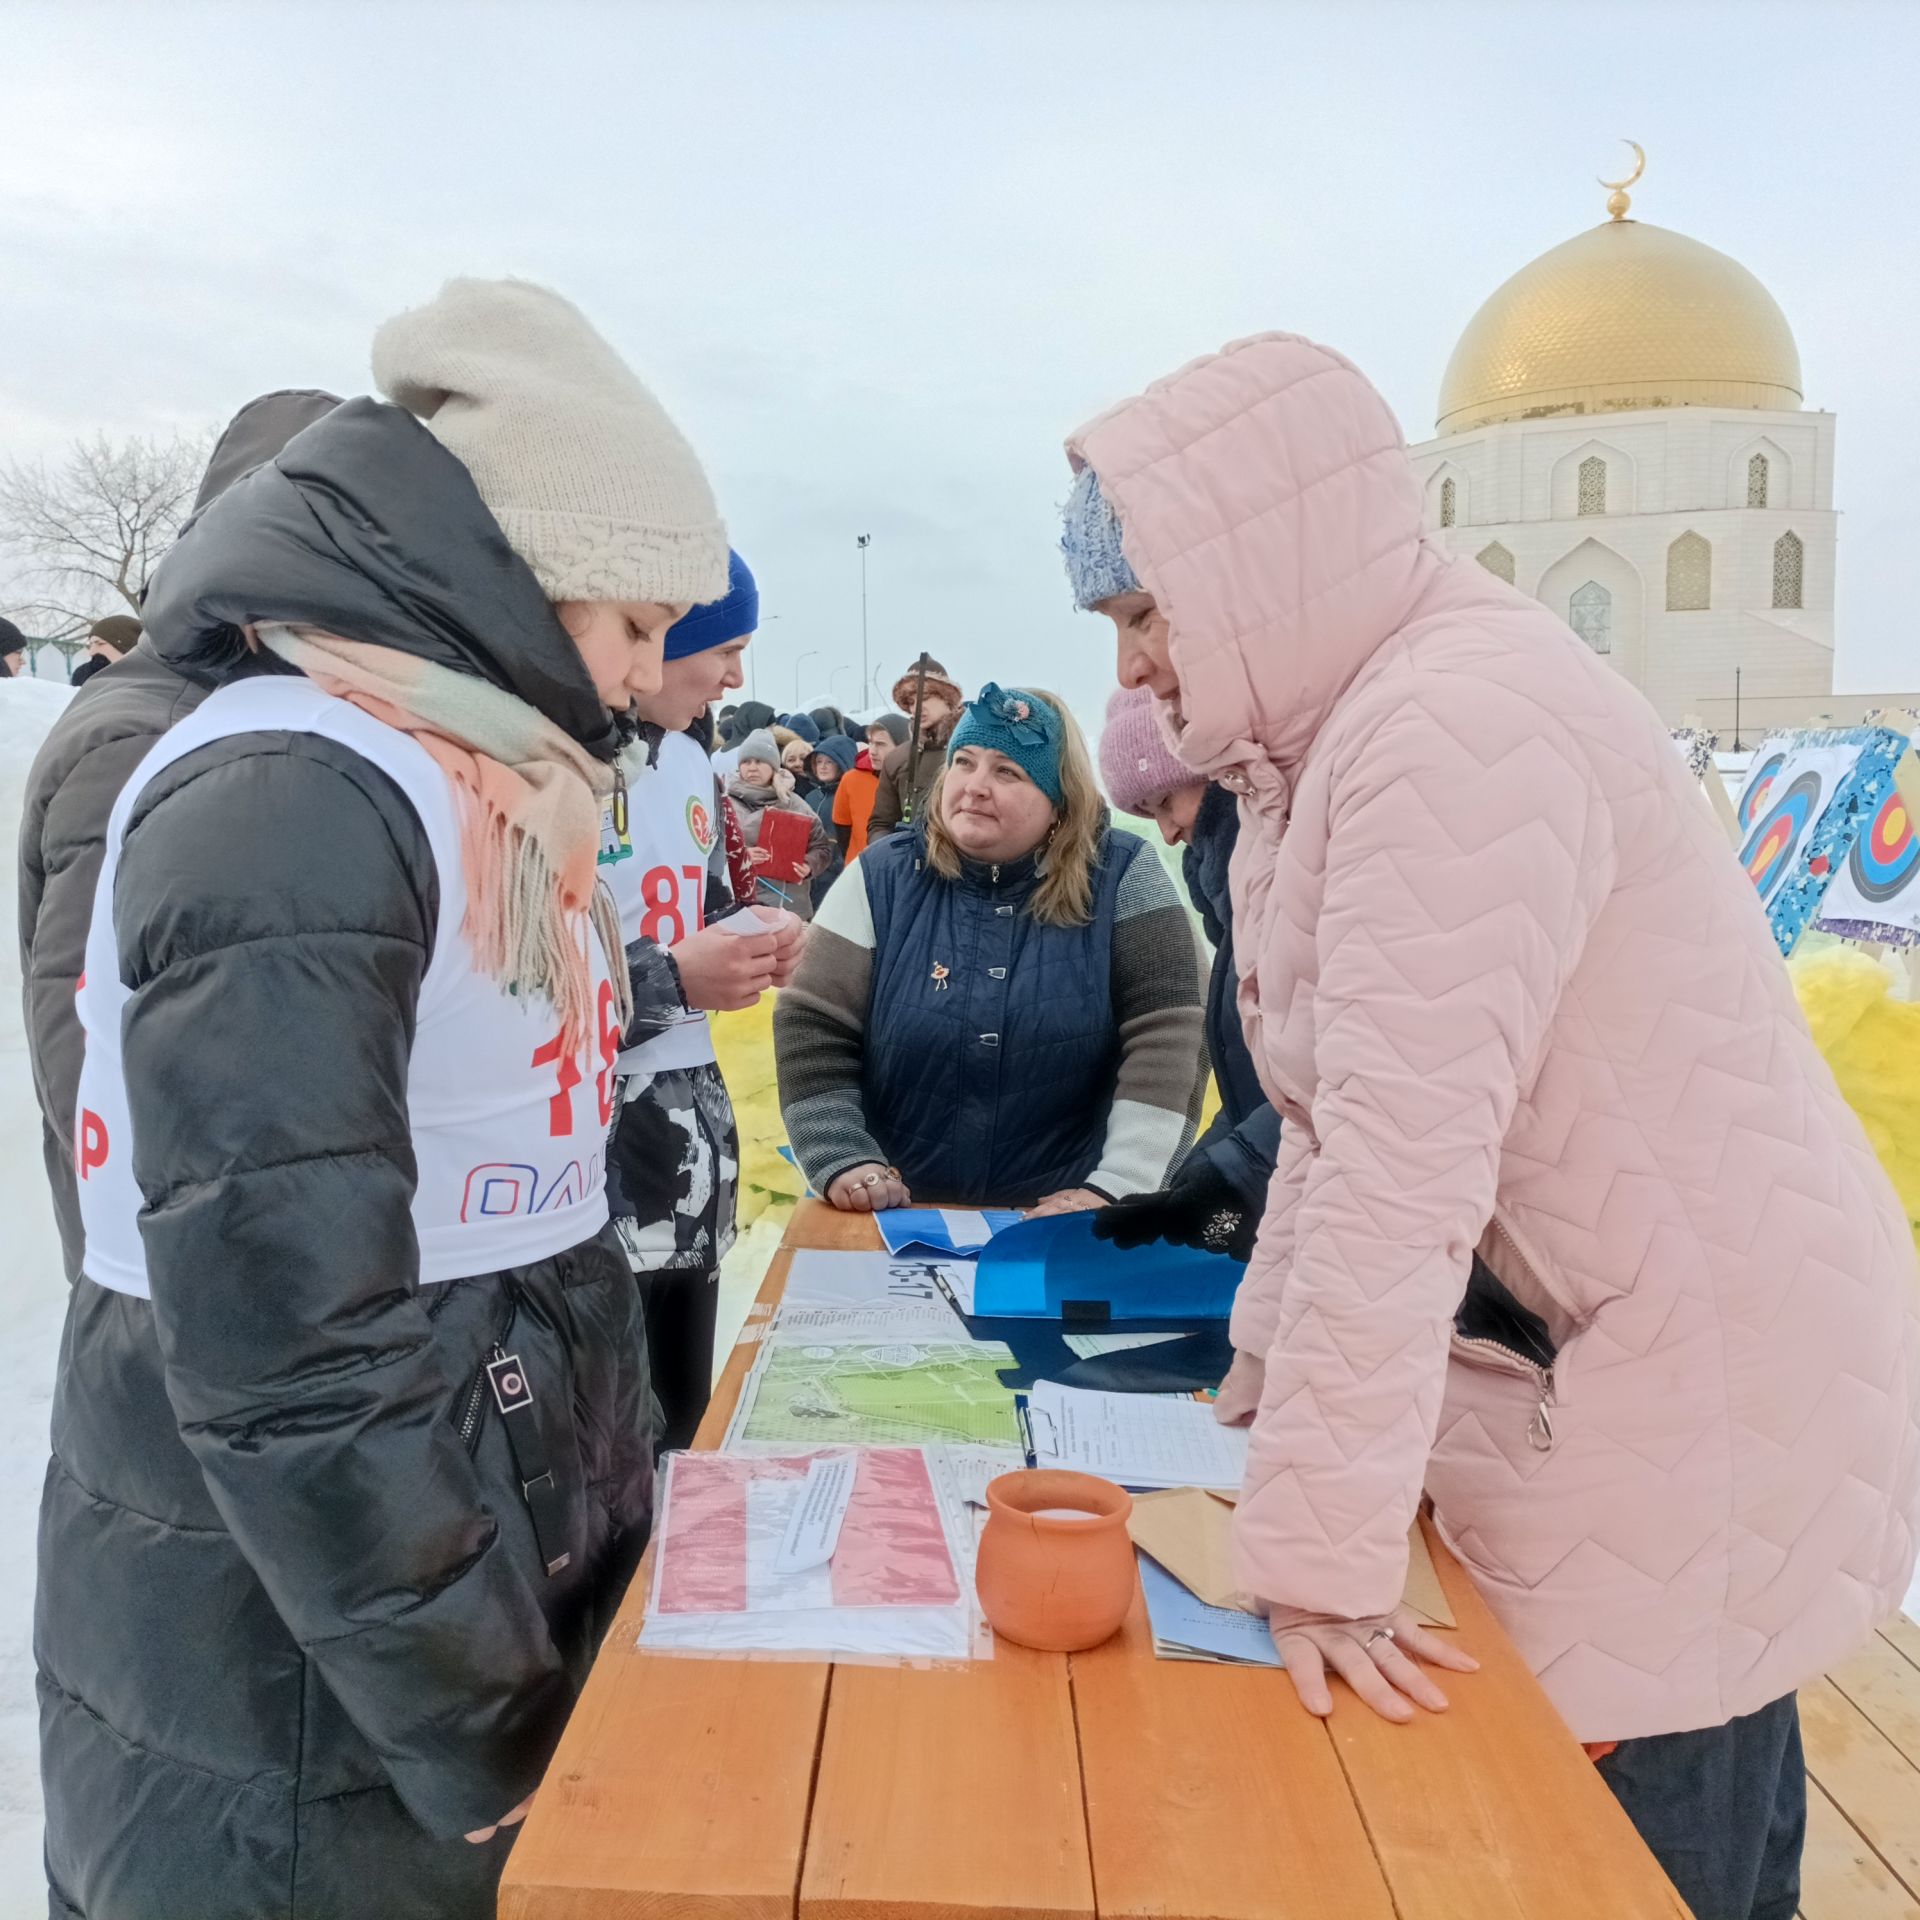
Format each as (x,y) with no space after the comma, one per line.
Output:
(1508,987)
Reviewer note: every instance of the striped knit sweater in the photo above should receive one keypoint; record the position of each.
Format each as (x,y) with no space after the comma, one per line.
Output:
(937,1027)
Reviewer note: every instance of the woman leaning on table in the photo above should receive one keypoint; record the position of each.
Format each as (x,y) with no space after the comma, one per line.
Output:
(1001,1003)
(1509,991)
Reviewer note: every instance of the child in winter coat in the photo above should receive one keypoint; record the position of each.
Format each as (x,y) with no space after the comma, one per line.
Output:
(797,758)
(673,1155)
(853,802)
(832,761)
(760,785)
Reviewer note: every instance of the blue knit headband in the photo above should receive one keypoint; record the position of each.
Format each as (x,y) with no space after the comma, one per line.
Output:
(1097,566)
(1020,725)
(734,616)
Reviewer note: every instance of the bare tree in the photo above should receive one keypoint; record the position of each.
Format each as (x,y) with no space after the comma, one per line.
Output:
(86,535)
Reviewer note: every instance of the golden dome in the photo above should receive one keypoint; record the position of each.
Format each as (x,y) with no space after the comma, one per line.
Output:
(1621,317)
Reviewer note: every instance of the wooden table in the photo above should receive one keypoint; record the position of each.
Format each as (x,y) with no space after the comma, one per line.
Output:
(1058,1787)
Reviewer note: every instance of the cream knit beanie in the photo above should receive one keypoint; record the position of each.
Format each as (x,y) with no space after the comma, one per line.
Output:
(594,487)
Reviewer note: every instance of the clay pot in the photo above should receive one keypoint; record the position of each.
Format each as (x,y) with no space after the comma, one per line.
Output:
(1056,1566)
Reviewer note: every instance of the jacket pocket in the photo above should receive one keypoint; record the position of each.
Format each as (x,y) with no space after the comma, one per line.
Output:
(1491,1329)
(524,1388)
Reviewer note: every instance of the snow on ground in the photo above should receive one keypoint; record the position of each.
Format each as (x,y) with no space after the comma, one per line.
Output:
(32,1305)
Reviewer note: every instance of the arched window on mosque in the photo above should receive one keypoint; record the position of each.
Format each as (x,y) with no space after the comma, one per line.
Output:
(1497,561)
(1593,485)
(1590,614)
(1759,477)
(1689,575)
(1789,571)
(1449,502)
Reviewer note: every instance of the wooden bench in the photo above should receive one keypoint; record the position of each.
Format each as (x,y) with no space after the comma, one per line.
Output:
(1052,1787)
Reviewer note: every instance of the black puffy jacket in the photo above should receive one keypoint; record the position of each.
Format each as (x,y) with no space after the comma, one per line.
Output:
(294,1632)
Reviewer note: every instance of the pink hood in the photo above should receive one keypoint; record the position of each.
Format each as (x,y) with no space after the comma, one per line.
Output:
(1509,988)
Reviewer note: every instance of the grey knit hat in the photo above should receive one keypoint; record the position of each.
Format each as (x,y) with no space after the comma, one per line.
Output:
(759,745)
(592,484)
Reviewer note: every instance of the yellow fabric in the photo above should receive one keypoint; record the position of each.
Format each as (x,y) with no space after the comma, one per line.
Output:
(1872,1043)
(743,1043)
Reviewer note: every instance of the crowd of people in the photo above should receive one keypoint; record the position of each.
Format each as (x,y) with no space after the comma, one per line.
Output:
(376,897)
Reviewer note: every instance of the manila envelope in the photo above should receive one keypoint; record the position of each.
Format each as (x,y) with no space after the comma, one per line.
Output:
(1188,1532)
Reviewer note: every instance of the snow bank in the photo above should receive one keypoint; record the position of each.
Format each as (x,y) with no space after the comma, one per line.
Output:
(33,1300)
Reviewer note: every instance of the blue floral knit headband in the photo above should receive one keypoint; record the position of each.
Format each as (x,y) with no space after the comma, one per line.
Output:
(1022,726)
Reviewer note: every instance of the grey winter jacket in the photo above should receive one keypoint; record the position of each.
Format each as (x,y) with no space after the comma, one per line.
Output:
(82,764)
(295,1630)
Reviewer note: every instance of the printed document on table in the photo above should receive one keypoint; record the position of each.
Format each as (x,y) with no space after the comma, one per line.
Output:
(1139,1440)
(828,1553)
(832,1297)
(875,1393)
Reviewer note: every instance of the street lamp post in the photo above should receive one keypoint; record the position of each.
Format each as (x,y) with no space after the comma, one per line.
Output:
(863,541)
(753,661)
(812,653)
(1736,712)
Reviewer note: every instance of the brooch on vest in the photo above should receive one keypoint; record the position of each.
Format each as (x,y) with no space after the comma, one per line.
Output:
(939,976)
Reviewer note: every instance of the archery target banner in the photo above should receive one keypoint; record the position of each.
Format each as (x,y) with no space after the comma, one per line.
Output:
(1876,889)
(1789,787)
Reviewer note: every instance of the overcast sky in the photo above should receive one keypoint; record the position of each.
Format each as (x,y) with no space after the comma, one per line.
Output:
(879,259)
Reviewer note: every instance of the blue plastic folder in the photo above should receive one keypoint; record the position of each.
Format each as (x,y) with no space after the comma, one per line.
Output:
(929,1229)
(1054,1269)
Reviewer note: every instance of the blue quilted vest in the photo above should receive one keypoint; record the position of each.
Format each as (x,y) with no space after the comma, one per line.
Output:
(991,1044)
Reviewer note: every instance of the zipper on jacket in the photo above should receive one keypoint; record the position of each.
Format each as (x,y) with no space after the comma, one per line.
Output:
(1540,1430)
(1540,1427)
(470,1418)
(476,1407)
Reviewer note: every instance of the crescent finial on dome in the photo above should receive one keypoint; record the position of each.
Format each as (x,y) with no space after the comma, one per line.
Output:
(1618,199)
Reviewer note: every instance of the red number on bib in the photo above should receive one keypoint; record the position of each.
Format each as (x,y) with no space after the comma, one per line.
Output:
(660,889)
(90,1145)
(609,1052)
(567,1073)
(696,878)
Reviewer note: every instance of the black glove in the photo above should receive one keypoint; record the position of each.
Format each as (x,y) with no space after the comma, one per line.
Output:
(1201,1209)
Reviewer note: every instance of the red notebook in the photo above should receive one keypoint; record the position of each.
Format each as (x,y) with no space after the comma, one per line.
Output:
(786,837)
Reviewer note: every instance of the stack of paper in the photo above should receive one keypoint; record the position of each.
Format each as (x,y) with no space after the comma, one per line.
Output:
(848,1553)
(872,1296)
(1193,1600)
(1186,1628)
(1191,1535)
(1139,1440)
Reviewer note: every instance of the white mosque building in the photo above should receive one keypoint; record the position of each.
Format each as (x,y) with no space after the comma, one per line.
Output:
(1622,435)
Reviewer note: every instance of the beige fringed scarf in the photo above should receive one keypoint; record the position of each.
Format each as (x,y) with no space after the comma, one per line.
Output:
(530,801)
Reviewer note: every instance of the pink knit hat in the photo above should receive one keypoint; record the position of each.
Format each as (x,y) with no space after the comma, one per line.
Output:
(1135,760)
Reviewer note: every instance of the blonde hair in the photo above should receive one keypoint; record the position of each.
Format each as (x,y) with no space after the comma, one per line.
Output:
(1064,897)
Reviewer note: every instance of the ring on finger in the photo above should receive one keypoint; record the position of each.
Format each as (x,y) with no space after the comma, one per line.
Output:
(1379,1634)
